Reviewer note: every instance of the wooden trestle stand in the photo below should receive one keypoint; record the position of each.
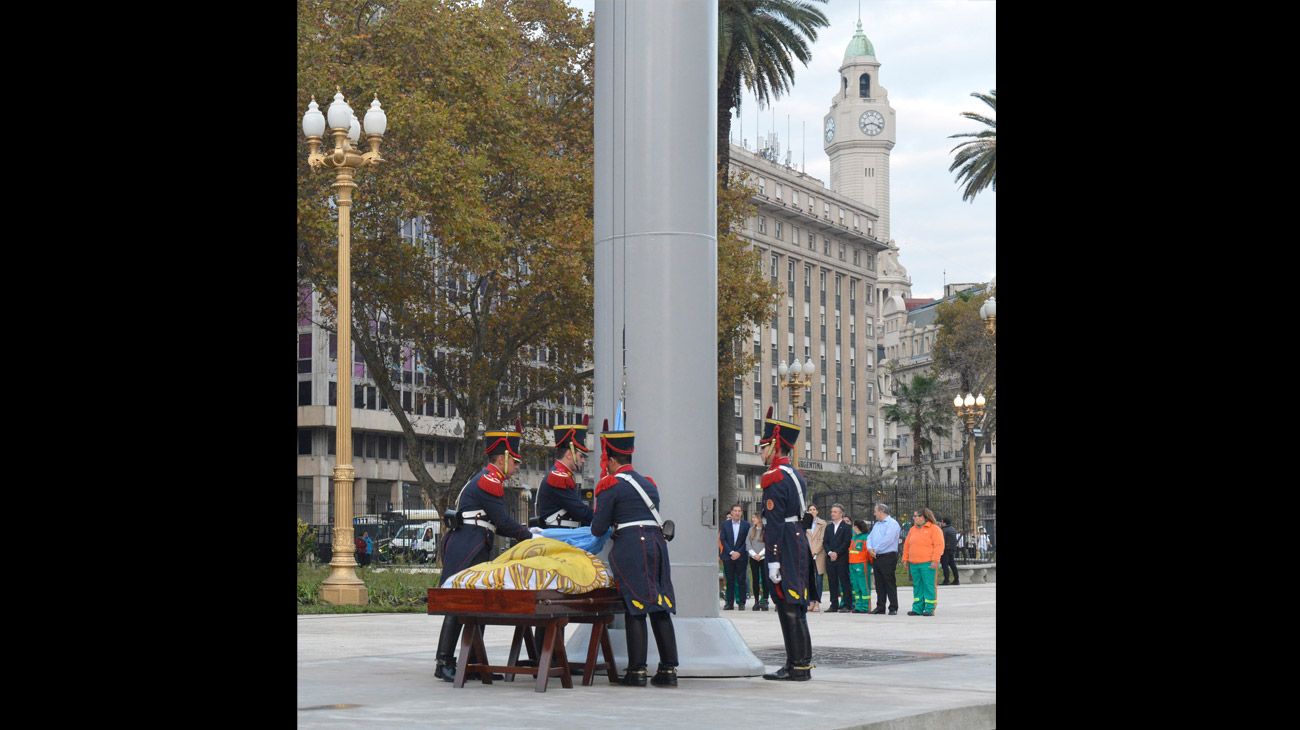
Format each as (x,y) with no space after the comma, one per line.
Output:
(525,609)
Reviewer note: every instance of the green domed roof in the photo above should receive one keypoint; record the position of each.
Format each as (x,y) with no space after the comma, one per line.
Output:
(860,45)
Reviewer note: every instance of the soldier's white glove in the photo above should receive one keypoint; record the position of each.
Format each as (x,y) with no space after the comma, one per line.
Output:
(774,572)
(535,530)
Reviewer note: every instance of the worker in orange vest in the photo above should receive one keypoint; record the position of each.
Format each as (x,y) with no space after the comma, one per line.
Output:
(859,574)
(921,554)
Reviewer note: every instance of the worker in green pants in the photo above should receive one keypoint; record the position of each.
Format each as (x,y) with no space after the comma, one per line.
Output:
(859,573)
(921,553)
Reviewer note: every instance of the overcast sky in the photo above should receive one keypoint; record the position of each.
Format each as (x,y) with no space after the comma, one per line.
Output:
(933,54)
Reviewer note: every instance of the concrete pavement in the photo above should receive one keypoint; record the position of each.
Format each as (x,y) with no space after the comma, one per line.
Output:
(871,672)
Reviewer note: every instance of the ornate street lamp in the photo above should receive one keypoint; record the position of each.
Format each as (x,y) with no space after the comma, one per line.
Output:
(970,410)
(796,378)
(343,586)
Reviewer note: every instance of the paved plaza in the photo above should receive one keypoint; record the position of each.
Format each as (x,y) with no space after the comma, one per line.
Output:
(871,671)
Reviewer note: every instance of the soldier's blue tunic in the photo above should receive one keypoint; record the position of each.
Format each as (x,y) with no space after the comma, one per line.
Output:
(559,491)
(639,557)
(786,542)
(472,544)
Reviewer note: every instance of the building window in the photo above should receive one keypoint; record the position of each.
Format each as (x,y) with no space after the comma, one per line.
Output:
(871,425)
(762,224)
(812,241)
(988,446)
(334,393)
(826,210)
(841,253)
(762,186)
(988,475)
(871,392)
(778,231)
(856,257)
(304,393)
(949,475)
(778,191)
(864,86)
(826,247)
(794,197)
(304,441)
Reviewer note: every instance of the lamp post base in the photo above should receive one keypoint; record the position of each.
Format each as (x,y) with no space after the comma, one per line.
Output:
(706,647)
(344,594)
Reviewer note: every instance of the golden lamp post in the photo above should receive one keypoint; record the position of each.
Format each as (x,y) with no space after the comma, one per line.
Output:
(796,378)
(343,586)
(970,409)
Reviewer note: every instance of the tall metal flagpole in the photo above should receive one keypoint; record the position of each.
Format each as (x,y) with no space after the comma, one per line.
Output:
(656,279)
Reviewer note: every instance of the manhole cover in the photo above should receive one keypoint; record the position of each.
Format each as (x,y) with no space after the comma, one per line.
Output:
(837,656)
(327,707)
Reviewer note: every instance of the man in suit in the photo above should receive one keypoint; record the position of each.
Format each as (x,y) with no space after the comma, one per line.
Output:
(839,533)
(732,535)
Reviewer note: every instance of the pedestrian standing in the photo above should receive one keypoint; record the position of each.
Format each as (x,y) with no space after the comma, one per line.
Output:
(983,544)
(838,535)
(370,547)
(732,535)
(882,545)
(921,554)
(860,567)
(815,528)
(949,552)
(757,575)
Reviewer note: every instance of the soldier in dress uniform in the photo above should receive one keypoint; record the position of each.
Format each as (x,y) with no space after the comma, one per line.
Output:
(558,502)
(786,544)
(481,513)
(638,558)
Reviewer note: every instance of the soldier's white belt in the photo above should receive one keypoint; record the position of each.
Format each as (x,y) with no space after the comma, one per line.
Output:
(468,519)
(554,520)
(792,518)
(638,523)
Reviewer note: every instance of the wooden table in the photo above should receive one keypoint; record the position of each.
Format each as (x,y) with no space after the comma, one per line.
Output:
(524,610)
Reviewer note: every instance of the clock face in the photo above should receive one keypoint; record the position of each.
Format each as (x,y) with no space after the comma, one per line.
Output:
(830,130)
(871,123)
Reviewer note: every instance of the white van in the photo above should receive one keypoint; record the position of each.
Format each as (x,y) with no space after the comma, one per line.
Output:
(418,538)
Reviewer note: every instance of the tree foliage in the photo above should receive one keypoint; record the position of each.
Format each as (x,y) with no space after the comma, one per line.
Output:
(471,244)
(756,40)
(964,354)
(746,299)
(924,410)
(977,158)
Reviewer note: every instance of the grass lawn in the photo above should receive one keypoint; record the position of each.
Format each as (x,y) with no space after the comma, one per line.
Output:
(389,592)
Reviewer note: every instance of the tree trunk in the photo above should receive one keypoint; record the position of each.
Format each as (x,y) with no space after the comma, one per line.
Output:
(379,370)
(726,456)
(468,461)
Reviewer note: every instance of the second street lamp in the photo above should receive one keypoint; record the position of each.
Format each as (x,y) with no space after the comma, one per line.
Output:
(970,410)
(343,586)
(796,378)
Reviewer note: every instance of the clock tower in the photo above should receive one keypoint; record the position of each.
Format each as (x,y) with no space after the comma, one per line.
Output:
(859,131)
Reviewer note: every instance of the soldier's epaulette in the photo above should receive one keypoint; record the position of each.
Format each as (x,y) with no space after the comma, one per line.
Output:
(492,485)
(560,478)
(770,477)
(606,482)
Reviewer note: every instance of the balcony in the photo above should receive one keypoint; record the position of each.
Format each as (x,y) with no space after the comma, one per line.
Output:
(891,444)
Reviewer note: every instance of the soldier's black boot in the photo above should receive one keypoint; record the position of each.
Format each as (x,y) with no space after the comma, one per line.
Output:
(666,641)
(784,617)
(665,677)
(636,651)
(445,666)
(801,669)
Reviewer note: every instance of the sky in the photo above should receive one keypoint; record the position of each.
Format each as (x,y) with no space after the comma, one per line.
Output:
(933,55)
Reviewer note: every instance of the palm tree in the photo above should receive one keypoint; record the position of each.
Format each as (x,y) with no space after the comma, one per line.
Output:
(756,39)
(922,409)
(978,157)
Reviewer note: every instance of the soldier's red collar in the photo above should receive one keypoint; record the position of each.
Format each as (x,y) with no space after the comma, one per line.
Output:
(610,480)
(560,477)
(492,481)
(774,475)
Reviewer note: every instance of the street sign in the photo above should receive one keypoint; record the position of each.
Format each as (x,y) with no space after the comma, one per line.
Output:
(979,432)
